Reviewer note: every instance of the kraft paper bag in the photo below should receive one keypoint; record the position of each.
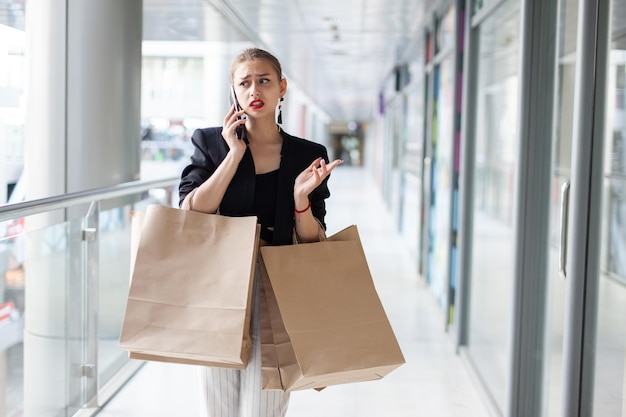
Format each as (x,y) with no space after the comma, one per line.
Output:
(270,375)
(190,293)
(327,322)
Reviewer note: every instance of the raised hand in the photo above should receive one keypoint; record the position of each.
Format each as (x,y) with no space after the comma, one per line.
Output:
(311,178)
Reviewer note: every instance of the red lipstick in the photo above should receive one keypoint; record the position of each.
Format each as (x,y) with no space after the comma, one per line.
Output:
(256,104)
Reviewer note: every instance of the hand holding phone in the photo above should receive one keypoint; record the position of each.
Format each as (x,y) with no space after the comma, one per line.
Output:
(239,131)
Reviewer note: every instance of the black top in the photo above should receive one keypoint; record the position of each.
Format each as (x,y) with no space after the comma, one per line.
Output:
(264,205)
(210,149)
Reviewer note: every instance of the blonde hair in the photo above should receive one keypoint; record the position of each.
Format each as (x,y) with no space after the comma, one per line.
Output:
(256,54)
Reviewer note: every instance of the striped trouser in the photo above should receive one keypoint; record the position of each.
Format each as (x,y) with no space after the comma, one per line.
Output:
(234,393)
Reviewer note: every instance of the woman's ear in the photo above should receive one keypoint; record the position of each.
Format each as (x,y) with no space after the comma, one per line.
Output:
(283,86)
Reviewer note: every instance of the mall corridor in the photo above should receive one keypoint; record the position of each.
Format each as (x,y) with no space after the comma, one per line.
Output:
(485,149)
(434,382)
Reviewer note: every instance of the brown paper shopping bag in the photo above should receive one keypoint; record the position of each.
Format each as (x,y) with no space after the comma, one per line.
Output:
(327,322)
(190,294)
(270,375)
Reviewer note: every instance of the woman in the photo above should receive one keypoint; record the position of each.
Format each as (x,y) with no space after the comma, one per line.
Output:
(264,172)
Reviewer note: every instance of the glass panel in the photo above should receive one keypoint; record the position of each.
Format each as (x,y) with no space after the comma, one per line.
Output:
(34,268)
(615,167)
(445,31)
(441,188)
(114,271)
(175,82)
(172,86)
(610,368)
(495,168)
(396,120)
(561,167)
(56,336)
(12,294)
(114,277)
(413,164)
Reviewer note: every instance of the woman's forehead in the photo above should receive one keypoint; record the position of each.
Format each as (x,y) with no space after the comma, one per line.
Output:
(254,68)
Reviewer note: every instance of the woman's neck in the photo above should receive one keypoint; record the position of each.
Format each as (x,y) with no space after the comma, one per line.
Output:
(263,130)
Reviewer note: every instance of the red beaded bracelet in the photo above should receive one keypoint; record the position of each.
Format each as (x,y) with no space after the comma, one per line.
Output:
(302,211)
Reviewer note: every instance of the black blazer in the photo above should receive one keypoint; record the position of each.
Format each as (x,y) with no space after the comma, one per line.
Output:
(210,149)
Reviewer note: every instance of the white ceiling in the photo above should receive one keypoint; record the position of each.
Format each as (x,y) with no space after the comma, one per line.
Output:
(338,51)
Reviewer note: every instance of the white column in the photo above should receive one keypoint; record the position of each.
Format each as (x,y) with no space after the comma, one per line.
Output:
(103,92)
(46,105)
(217,62)
(44,164)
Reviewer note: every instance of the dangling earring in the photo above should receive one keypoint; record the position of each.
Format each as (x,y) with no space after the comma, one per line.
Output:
(280,111)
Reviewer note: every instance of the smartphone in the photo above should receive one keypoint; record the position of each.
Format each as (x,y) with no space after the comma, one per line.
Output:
(240,131)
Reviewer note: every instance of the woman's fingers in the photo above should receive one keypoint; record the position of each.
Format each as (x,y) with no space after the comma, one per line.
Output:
(313,175)
(320,169)
(333,165)
(232,121)
(228,117)
(325,169)
(320,164)
(315,163)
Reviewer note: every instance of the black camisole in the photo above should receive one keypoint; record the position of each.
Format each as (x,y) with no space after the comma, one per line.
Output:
(264,206)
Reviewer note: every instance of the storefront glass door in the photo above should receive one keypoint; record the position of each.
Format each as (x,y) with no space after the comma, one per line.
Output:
(561,171)
(494,174)
(609,387)
(586,372)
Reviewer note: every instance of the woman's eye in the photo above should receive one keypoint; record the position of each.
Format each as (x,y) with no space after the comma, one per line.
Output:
(264,80)
(243,84)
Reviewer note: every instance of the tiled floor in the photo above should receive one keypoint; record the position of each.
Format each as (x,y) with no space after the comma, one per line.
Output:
(434,382)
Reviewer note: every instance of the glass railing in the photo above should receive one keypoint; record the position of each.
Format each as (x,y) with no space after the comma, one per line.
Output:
(65,265)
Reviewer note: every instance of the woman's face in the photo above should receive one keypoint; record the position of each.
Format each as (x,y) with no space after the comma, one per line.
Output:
(258,88)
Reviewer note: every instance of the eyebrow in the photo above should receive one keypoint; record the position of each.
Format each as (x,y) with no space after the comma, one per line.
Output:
(265,74)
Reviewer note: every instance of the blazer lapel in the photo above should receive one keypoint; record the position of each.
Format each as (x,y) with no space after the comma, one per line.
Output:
(283,220)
